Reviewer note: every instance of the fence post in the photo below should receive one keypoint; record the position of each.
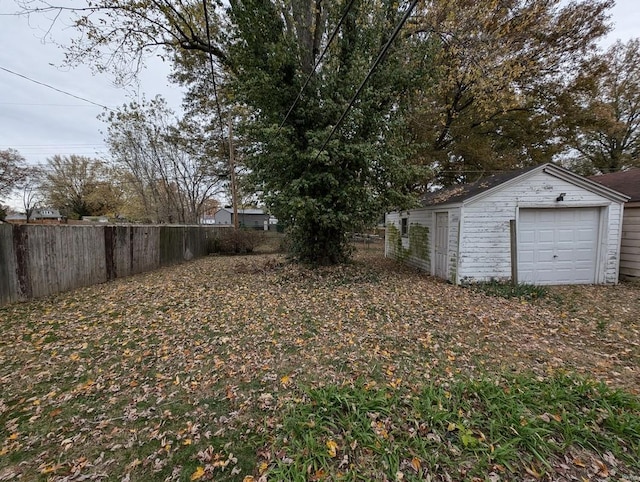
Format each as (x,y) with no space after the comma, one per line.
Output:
(21,249)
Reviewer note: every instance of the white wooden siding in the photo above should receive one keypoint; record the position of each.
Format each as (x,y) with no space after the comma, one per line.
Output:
(419,217)
(391,219)
(630,242)
(485,250)
(454,243)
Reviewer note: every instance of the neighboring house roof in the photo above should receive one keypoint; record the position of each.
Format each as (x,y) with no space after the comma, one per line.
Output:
(46,213)
(245,211)
(627,182)
(466,192)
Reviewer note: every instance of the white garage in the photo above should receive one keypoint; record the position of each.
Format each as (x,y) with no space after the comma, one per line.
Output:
(539,225)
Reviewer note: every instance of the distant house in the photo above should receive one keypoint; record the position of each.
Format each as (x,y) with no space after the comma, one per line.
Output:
(247,218)
(627,182)
(207,219)
(44,215)
(540,225)
(16,218)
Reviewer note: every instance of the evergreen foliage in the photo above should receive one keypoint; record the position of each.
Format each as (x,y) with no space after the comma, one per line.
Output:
(323,196)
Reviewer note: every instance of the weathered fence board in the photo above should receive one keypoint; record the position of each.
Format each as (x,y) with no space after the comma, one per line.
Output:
(39,260)
(65,257)
(145,248)
(8,278)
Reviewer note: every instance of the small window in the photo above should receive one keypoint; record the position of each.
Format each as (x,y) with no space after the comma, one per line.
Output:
(404,226)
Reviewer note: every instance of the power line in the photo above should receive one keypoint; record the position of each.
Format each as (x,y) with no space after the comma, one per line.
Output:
(213,74)
(54,88)
(381,56)
(52,145)
(324,51)
(45,105)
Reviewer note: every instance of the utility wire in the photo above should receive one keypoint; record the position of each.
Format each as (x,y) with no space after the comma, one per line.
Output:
(324,51)
(381,56)
(54,88)
(232,168)
(213,73)
(43,105)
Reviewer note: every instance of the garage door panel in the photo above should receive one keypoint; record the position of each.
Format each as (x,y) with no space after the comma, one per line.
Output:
(558,246)
(546,236)
(542,255)
(584,254)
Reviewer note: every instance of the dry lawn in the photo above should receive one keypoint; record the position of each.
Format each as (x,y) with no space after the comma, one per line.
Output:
(154,374)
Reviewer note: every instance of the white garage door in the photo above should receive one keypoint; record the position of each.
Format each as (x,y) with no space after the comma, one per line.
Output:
(558,246)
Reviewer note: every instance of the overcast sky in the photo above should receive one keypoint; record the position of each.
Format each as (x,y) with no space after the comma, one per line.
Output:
(40,122)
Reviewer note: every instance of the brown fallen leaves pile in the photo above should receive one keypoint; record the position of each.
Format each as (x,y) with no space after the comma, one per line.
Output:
(155,373)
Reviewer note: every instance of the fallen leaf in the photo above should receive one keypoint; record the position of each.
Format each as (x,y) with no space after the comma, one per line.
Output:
(602,469)
(197,474)
(332,448)
(533,472)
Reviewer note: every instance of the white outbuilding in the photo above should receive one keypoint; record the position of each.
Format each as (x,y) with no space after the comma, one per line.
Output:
(540,225)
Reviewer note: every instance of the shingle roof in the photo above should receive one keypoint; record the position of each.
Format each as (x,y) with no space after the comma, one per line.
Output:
(627,182)
(248,211)
(463,192)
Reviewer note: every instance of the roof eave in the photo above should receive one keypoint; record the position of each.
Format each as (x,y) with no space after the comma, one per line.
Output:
(441,207)
(585,183)
(500,186)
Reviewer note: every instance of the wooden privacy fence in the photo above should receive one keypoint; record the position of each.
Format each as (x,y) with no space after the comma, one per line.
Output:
(39,260)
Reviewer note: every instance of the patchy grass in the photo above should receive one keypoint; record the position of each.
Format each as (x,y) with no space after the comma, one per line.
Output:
(203,371)
(489,428)
(509,290)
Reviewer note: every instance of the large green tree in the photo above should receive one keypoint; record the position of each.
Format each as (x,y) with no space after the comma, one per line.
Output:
(323,194)
(265,49)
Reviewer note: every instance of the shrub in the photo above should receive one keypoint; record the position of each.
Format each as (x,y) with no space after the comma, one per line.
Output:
(236,241)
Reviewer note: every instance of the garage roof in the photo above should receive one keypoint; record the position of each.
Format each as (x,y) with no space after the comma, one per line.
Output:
(462,192)
(466,192)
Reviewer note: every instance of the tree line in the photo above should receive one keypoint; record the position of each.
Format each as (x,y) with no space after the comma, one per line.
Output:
(154,174)
(467,88)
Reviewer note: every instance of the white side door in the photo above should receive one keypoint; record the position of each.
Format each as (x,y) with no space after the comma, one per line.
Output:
(441,245)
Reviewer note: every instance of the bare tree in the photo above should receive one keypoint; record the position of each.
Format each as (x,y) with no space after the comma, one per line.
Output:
(171,177)
(13,171)
(32,196)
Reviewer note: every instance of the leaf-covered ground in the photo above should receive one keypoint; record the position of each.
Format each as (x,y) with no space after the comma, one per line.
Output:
(182,374)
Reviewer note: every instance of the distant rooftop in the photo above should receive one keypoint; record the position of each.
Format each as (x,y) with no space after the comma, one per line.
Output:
(245,211)
(626,182)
